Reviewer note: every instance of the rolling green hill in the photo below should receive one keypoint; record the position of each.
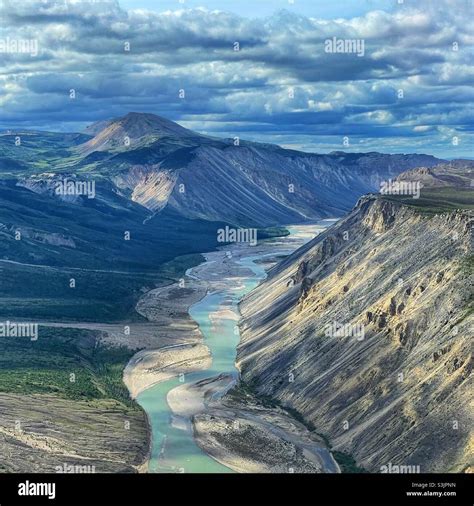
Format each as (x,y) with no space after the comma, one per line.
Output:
(85,241)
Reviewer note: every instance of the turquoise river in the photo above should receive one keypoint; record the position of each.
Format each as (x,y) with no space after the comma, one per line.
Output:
(173,448)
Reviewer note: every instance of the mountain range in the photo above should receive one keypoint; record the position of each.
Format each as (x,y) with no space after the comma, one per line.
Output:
(165,188)
(158,163)
(372,319)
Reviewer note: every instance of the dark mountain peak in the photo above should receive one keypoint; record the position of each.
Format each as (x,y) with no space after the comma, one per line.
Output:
(148,120)
(132,129)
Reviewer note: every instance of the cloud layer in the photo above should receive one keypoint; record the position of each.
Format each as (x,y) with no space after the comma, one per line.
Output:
(266,79)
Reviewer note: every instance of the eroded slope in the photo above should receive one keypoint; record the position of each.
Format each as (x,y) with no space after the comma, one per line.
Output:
(393,385)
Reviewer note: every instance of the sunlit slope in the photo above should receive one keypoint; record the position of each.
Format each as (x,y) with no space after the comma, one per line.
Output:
(393,386)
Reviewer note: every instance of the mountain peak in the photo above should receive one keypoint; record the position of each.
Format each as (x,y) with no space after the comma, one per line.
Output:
(145,117)
(131,129)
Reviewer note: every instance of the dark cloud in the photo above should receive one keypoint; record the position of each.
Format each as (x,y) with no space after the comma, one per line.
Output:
(281,85)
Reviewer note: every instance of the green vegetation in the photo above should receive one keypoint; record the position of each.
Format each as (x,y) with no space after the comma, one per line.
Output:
(45,293)
(437,200)
(65,362)
(347,463)
(37,151)
(176,268)
(298,416)
(246,389)
(63,241)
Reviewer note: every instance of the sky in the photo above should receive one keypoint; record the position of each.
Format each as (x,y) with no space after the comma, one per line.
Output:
(262,70)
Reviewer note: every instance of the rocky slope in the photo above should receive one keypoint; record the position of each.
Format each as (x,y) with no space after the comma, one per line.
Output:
(367,331)
(257,185)
(457,173)
(48,434)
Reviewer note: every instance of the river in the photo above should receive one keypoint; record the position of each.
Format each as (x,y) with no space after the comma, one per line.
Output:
(173,447)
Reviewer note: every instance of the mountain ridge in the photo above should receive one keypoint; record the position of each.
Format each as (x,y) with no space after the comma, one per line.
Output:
(366,332)
(245,183)
(158,164)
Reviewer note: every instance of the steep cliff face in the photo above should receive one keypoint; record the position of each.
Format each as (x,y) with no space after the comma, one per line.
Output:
(366,331)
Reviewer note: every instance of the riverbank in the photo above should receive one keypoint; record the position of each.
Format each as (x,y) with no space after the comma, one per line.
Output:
(196,409)
(169,307)
(249,437)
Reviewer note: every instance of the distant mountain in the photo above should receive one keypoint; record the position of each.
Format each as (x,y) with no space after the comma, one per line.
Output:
(158,163)
(372,320)
(129,130)
(246,184)
(457,173)
(261,185)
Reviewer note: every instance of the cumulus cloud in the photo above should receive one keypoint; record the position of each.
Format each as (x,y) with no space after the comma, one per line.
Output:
(267,79)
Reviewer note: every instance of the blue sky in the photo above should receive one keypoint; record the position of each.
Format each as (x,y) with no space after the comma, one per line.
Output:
(410,90)
(327,9)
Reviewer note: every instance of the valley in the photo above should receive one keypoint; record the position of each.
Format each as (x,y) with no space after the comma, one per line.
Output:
(186,398)
(166,346)
(236,252)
